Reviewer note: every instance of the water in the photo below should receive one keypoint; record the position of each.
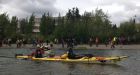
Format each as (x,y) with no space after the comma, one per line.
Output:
(11,66)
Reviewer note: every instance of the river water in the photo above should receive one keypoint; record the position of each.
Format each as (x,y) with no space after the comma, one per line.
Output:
(11,66)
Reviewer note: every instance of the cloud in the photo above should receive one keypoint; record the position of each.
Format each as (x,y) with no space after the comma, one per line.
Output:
(125,9)
(24,8)
(4,1)
(119,10)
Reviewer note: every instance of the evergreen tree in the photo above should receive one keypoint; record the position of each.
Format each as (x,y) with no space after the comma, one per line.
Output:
(60,28)
(13,27)
(31,24)
(127,28)
(43,25)
(24,26)
(50,25)
(4,25)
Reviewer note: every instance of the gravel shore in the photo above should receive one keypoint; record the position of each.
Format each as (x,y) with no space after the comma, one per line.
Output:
(84,46)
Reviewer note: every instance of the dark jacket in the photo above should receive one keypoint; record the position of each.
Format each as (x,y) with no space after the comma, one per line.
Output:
(71,55)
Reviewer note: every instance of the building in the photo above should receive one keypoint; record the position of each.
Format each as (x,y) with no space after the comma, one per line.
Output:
(36,29)
(36,25)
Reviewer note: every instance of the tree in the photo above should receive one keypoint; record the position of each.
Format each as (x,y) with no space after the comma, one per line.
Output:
(50,25)
(72,22)
(4,25)
(84,29)
(102,26)
(127,28)
(137,34)
(23,26)
(43,25)
(60,28)
(12,28)
(31,24)
(73,25)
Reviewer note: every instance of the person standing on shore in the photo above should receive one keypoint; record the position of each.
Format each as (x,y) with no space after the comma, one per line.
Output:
(112,43)
(0,43)
(90,41)
(114,40)
(62,42)
(97,41)
(9,40)
(106,42)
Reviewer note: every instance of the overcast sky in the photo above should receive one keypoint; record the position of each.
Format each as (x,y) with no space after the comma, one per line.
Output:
(118,10)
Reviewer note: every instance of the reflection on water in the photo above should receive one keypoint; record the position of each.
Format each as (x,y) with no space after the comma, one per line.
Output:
(97,69)
(12,66)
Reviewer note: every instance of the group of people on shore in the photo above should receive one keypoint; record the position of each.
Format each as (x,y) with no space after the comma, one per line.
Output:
(111,41)
(8,42)
(66,42)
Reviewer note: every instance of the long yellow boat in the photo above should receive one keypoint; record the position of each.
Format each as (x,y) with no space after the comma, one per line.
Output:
(85,59)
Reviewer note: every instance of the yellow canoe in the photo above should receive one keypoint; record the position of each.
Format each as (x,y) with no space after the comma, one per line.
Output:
(112,59)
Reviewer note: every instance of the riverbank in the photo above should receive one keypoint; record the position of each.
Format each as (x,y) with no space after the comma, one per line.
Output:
(84,46)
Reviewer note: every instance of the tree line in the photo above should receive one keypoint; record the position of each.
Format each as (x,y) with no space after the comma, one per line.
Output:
(81,27)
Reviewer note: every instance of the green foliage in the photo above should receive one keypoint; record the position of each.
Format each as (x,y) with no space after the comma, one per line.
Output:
(12,30)
(47,26)
(50,25)
(23,26)
(60,28)
(82,27)
(137,34)
(72,25)
(72,22)
(127,29)
(4,25)
(43,25)
(31,24)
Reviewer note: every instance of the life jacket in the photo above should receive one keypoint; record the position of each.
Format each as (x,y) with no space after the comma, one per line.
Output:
(64,56)
(38,53)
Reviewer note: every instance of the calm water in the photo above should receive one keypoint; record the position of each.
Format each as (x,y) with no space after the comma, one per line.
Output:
(12,66)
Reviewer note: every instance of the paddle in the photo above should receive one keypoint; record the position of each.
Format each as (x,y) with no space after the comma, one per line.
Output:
(87,55)
(3,56)
(6,56)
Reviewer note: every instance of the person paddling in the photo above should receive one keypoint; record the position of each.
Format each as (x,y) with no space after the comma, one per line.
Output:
(39,53)
(72,55)
(48,51)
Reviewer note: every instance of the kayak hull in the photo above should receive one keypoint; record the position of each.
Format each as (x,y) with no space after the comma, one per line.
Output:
(83,59)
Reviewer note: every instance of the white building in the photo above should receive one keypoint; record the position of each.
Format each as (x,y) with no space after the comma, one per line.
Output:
(36,25)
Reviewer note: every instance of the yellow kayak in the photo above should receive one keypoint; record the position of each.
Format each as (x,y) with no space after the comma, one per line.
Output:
(85,59)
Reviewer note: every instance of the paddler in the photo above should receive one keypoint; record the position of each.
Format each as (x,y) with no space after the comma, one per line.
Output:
(72,55)
(39,52)
(48,51)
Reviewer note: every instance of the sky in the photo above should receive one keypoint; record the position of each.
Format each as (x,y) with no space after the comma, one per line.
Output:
(118,10)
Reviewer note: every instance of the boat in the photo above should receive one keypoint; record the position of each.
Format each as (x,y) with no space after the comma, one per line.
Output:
(103,60)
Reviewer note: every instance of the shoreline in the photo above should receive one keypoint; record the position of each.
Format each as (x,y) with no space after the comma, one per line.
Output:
(81,47)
